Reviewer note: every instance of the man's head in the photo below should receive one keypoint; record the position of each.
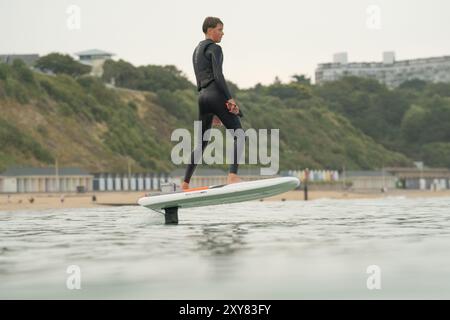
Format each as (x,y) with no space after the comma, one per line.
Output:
(213,29)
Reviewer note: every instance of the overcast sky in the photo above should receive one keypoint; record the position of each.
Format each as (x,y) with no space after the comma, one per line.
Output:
(263,39)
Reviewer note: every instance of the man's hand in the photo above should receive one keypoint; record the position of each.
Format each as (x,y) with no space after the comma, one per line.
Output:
(232,106)
(216,121)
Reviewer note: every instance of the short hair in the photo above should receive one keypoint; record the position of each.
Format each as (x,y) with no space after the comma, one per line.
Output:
(210,22)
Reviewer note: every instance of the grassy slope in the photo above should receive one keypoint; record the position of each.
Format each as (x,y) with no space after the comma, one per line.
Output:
(84,124)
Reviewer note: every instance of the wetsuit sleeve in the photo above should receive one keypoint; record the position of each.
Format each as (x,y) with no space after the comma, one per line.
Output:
(195,69)
(217,60)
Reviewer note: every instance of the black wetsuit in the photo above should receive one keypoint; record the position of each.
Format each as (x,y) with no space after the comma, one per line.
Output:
(214,93)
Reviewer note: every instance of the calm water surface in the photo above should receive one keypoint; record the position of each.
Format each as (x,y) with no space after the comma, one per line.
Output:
(251,250)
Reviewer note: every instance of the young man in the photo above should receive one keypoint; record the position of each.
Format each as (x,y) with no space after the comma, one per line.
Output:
(214,101)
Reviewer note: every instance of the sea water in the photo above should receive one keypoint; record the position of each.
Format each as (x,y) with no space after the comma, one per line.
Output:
(327,249)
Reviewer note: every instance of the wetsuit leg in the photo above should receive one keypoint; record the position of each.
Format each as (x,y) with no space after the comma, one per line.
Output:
(230,121)
(212,102)
(206,119)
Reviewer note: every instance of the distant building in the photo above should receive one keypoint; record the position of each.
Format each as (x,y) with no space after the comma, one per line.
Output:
(15,180)
(423,179)
(371,180)
(405,178)
(29,59)
(132,182)
(94,58)
(389,71)
(313,175)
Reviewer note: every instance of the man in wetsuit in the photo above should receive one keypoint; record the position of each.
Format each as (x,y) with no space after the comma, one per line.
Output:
(214,101)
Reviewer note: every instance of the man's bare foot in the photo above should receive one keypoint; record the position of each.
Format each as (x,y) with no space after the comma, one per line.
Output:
(184,185)
(233,178)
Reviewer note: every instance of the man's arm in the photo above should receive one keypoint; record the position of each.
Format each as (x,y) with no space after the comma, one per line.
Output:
(195,69)
(217,60)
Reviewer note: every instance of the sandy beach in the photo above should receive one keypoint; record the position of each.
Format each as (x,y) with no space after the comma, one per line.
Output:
(59,201)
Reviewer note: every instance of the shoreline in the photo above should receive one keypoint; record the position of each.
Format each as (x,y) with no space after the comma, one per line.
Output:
(45,201)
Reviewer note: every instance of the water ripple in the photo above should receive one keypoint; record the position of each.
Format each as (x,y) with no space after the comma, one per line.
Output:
(214,250)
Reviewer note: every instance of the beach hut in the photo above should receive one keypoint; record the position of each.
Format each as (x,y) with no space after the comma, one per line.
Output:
(117,183)
(109,183)
(147,182)
(140,182)
(101,183)
(155,185)
(29,179)
(133,183)
(125,183)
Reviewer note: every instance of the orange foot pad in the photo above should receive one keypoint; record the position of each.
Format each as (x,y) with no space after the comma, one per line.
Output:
(195,189)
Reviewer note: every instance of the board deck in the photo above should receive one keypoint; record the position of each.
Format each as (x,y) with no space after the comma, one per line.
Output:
(220,194)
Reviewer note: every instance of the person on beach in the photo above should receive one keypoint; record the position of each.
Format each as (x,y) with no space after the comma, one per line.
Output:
(216,105)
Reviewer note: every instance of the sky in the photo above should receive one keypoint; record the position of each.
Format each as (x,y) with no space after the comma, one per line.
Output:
(263,39)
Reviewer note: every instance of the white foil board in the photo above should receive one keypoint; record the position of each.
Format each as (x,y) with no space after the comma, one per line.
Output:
(221,194)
